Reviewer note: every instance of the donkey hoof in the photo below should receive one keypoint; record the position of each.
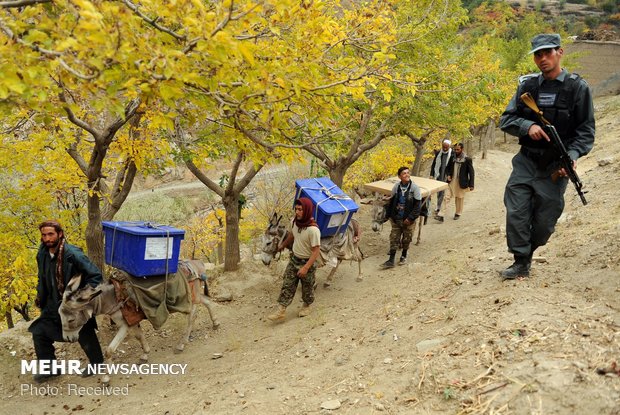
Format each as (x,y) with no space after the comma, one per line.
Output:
(327,284)
(358,279)
(216,325)
(144,359)
(179,349)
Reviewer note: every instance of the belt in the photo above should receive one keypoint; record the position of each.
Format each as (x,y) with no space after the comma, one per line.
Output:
(534,155)
(298,258)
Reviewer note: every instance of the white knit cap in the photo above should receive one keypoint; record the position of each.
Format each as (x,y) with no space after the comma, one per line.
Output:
(447,141)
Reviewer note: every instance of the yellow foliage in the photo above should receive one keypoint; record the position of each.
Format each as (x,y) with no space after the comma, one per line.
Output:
(203,234)
(251,225)
(18,274)
(380,163)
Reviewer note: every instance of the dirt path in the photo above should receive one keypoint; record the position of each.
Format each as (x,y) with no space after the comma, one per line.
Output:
(441,335)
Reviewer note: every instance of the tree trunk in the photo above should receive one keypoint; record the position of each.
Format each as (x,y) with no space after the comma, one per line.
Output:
(337,174)
(485,142)
(23,311)
(94,231)
(232,256)
(220,253)
(8,316)
(93,172)
(419,154)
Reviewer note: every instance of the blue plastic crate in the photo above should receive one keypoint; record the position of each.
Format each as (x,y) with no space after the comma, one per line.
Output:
(141,248)
(333,209)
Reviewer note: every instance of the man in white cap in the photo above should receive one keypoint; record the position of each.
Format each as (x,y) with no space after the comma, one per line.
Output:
(533,200)
(438,169)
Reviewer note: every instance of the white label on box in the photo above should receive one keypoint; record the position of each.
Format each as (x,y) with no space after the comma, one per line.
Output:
(156,248)
(337,219)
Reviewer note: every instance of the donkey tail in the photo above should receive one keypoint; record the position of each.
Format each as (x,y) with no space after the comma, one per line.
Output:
(203,277)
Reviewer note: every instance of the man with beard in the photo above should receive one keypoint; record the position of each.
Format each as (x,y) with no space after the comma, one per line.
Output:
(58,262)
(442,159)
(460,176)
(306,239)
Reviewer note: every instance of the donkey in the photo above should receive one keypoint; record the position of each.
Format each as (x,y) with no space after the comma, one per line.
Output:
(380,215)
(334,249)
(80,304)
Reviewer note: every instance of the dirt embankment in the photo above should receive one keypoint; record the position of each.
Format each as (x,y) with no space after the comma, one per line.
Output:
(599,64)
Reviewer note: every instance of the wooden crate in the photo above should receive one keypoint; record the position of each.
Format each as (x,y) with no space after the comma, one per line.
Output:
(427,186)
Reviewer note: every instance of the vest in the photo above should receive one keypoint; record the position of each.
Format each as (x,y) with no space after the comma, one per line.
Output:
(556,100)
(409,200)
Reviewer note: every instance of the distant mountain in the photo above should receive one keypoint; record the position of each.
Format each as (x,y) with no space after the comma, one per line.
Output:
(586,19)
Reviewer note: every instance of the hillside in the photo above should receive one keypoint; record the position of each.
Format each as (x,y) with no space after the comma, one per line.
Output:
(442,335)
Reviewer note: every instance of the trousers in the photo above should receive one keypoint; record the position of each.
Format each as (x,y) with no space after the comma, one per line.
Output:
(45,331)
(400,235)
(291,280)
(534,203)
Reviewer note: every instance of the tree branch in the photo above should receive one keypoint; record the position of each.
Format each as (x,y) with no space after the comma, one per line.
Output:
(130,110)
(233,172)
(122,187)
(76,121)
(19,40)
(204,179)
(77,157)
(153,21)
(380,135)
(47,52)
(21,3)
(76,73)
(247,177)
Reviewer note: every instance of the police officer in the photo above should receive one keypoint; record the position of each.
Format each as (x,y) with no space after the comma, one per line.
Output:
(533,200)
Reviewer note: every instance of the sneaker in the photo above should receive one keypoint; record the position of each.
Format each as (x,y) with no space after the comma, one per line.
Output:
(403,261)
(457,217)
(387,264)
(87,372)
(438,218)
(516,270)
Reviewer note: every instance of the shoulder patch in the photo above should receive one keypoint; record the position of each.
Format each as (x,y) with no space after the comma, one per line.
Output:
(578,78)
(524,78)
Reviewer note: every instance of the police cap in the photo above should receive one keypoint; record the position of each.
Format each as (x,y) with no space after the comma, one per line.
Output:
(545,41)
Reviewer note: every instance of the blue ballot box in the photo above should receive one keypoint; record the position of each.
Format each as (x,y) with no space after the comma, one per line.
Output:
(333,209)
(142,248)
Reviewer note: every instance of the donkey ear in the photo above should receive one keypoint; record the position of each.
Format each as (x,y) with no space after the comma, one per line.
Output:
(279,219)
(95,294)
(74,283)
(86,294)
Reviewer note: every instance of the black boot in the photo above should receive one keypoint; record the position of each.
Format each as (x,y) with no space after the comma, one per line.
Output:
(390,262)
(520,268)
(39,377)
(530,256)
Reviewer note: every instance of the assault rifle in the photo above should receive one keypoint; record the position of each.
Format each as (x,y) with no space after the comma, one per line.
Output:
(565,160)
